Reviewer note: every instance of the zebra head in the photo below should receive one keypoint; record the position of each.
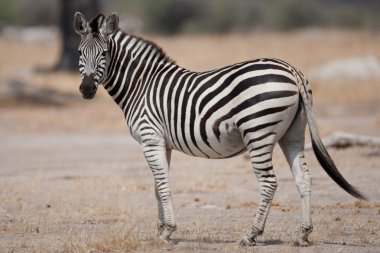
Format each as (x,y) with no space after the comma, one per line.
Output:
(93,50)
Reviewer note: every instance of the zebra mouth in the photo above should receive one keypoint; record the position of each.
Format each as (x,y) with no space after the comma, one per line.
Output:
(88,87)
(88,92)
(88,97)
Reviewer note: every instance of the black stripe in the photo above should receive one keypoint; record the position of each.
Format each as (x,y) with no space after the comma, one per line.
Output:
(268,176)
(259,155)
(260,138)
(264,161)
(170,111)
(176,102)
(183,112)
(262,113)
(242,86)
(154,105)
(259,127)
(244,105)
(212,81)
(137,68)
(141,93)
(200,91)
(117,53)
(246,83)
(260,147)
(161,93)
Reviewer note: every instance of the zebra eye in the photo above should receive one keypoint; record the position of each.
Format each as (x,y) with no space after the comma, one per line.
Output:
(79,52)
(104,53)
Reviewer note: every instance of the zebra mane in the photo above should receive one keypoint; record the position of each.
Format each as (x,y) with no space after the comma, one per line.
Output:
(158,49)
(96,22)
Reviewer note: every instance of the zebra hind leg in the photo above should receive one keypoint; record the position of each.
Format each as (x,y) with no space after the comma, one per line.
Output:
(292,145)
(261,158)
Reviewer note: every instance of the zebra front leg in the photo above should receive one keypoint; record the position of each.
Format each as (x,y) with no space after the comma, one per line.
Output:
(158,159)
(161,219)
(262,164)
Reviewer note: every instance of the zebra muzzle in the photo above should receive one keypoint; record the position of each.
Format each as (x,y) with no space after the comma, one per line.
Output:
(88,87)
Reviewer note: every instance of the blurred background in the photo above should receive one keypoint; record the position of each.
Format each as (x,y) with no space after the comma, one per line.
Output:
(335,42)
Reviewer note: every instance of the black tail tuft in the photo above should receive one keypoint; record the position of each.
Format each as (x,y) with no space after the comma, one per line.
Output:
(320,150)
(328,165)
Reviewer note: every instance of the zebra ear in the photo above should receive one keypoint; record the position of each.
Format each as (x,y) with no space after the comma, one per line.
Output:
(112,24)
(80,23)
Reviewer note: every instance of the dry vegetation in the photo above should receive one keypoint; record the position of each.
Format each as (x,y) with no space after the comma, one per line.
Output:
(72,180)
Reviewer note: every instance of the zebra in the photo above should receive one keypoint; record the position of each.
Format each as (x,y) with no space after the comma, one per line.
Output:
(245,107)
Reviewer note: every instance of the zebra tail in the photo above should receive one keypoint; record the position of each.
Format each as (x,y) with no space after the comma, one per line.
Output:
(320,150)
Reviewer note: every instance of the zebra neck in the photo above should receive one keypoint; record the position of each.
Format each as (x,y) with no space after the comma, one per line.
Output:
(133,67)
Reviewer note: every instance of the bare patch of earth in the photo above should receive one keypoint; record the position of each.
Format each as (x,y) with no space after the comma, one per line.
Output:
(83,192)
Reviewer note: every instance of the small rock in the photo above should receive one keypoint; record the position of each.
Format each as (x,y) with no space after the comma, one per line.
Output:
(357,68)
(209,206)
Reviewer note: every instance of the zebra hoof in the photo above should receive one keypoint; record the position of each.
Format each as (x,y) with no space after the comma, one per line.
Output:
(165,232)
(305,232)
(160,228)
(303,243)
(167,240)
(247,242)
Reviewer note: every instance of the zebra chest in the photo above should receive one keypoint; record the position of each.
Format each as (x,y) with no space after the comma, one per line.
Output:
(136,135)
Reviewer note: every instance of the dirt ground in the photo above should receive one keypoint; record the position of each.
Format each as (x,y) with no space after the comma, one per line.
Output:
(73,180)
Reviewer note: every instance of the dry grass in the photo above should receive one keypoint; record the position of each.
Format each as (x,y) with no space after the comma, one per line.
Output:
(108,239)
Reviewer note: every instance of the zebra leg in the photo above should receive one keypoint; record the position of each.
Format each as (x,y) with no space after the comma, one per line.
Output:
(157,158)
(161,218)
(292,145)
(262,163)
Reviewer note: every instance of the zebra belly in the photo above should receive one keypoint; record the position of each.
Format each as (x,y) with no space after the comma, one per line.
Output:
(229,148)
(228,144)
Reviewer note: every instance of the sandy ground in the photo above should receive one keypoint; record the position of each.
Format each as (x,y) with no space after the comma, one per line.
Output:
(73,180)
